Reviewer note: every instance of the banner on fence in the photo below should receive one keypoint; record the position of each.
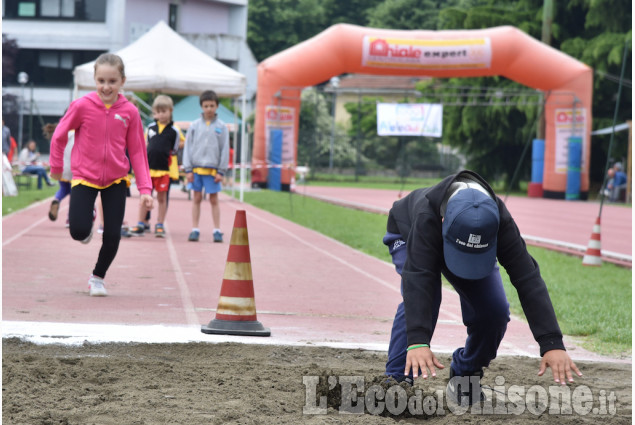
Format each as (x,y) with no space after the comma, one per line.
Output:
(409,119)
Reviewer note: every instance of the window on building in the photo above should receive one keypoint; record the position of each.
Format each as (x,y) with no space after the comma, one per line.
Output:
(52,68)
(75,10)
(173,16)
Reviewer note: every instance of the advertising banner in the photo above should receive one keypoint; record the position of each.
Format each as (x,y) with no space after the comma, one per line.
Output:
(409,119)
(427,54)
(281,118)
(566,127)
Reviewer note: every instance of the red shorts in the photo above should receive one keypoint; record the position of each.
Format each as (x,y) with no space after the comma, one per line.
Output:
(161,184)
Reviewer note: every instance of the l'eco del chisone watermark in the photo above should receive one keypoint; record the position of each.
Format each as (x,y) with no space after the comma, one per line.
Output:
(355,397)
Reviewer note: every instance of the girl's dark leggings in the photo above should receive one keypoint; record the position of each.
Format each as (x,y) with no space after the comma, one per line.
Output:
(113,200)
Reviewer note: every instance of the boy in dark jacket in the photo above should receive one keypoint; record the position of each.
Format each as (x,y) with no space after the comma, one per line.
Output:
(459,228)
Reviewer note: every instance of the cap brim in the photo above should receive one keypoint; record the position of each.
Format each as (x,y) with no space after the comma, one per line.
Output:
(469,266)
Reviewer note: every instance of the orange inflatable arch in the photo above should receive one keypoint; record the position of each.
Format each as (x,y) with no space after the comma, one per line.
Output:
(505,51)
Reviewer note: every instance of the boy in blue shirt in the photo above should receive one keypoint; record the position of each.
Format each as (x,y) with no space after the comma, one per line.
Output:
(205,160)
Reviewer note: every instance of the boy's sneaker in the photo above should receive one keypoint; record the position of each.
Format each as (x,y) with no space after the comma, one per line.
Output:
(137,231)
(68,223)
(55,207)
(96,287)
(88,238)
(159,231)
(147,227)
(194,235)
(465,390)
(125,233)
(218,236)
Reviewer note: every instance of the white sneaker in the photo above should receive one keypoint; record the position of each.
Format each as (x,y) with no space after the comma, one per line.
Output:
(96,287)
(88,238)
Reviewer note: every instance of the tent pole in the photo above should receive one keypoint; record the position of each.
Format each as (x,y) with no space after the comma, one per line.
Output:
(243,149)
(233,164)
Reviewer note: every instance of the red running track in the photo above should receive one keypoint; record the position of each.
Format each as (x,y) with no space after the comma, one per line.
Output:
(558,224)
(310,289)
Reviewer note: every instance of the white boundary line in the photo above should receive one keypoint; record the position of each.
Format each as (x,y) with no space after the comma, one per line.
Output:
(186,297)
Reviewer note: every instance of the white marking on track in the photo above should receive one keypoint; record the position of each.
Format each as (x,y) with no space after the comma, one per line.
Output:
(186,297)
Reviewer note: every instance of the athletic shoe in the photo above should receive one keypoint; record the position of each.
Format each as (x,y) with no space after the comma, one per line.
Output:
(194,236)
(137,231)
(96,287)
(147,227)
(159,231)
(218,236)
(125,233)
(68,223)
(88,238)
(55,207)
(465,390)
(100,229)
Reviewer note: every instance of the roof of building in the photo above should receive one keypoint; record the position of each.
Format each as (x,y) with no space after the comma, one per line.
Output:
(362,81)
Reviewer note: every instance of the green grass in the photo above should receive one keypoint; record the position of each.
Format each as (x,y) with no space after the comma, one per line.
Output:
(393,183)
(26,197)
(593,304)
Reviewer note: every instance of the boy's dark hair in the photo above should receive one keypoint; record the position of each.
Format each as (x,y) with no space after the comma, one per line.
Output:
(208,95)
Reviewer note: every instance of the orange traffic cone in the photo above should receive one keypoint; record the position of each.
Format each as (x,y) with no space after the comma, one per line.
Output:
(236,312)
(593,255)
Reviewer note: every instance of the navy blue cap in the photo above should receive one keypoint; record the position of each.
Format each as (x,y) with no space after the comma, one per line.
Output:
(470,227)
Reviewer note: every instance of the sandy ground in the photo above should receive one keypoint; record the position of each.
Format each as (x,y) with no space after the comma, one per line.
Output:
(231,383)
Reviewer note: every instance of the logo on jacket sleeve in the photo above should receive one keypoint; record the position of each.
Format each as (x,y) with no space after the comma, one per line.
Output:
(122,119)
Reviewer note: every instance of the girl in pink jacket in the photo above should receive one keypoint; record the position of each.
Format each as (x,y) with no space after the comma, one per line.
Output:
(106,127)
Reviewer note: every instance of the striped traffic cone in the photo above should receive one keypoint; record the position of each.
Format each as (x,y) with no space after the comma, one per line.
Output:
(236,312)
(593,255)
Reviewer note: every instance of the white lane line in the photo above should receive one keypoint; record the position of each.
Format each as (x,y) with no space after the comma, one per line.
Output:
(24,231)
(32,226)
(188,306)
(328,254)
(453,316)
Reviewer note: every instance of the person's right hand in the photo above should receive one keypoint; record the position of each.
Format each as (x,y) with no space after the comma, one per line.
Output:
(56,176)
(422,359)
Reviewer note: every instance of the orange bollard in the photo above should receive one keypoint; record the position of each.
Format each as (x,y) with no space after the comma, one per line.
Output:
(236,312)
(593,255)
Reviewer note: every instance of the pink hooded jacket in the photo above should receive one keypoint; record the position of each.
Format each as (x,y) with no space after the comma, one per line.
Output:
(101,138)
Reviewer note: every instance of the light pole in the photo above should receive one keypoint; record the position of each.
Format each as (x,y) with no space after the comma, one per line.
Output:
(23,78)
(335,82)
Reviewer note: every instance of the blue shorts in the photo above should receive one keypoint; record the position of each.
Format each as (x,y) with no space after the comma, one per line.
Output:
(206,182)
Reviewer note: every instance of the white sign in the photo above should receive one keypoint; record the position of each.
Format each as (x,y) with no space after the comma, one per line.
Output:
(409,119)
(281,118)
(565,128)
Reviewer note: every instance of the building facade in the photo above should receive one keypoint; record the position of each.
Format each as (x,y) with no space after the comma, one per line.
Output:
(54,36)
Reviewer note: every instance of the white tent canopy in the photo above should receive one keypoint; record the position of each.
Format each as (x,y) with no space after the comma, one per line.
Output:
(163,61)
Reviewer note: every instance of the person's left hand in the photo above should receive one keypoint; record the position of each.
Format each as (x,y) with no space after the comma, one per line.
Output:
(218,177)
(561,365)
(147,201)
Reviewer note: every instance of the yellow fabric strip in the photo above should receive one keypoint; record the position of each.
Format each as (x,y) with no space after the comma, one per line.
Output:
(158,173)
(76,182)
(205,171)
